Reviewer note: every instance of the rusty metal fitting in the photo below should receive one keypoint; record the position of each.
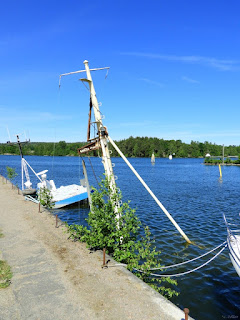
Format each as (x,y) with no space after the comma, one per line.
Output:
(186,311)
(104,265)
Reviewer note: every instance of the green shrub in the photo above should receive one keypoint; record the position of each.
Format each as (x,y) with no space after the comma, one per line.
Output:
(212,161)
(228,161)
(121,237)
(11,173)
(45,198)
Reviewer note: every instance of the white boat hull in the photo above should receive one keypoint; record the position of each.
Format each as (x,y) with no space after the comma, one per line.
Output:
(234,251)
(233,242)
(67,195)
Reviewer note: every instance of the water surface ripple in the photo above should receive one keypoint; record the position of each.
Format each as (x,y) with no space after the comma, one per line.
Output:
(195,197)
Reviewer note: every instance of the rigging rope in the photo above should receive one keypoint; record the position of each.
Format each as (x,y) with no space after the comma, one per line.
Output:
(93,170)
(183,273)
(54,144)
(185,262)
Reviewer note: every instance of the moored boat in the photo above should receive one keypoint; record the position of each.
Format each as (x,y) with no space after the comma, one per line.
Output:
(60,197)
(233,242)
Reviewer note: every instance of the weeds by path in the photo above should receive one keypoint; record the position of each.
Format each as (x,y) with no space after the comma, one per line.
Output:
(5,274)
(5,271)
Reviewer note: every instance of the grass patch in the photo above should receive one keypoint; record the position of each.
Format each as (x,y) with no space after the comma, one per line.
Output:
(1,234)
(5,274)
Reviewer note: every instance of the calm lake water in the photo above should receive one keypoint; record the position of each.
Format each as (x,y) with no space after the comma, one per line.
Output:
(195,197)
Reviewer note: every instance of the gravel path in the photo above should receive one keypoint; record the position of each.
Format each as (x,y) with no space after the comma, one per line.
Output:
(55,278)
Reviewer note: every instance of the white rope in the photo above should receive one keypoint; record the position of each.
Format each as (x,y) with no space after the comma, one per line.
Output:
(185,262)
(183,273)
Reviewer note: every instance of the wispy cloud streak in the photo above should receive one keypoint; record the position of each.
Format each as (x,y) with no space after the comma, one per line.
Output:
(159,84)
(189,80)
(220,64)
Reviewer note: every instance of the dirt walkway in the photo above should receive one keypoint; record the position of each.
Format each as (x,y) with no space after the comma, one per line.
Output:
(55,278)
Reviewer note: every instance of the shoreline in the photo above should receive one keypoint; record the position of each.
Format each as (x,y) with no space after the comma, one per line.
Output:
(222,164)
(56,278)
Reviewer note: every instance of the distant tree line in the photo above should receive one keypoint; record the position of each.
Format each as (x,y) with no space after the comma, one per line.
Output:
(144,147)
(60,148)
(131,147)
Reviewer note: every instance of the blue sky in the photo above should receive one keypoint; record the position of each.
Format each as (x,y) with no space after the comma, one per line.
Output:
(174,68)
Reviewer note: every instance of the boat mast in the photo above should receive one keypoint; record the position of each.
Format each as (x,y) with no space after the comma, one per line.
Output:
(24,163)
(103,138)
(102,131)
(19,146)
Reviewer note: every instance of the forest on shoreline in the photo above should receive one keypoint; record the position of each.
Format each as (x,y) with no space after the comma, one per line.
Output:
(131,147)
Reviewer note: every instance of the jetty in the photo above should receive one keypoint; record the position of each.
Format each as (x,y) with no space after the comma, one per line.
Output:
(56,278)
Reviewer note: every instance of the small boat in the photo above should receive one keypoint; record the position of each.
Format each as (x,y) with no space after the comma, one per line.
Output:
(170,157)
(63,196)
(233,242)
(153,158)
(60,197)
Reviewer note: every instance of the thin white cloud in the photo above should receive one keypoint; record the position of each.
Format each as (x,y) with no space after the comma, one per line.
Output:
(187,79)
(220,64)
(141,124)
(31,116)
(159,84)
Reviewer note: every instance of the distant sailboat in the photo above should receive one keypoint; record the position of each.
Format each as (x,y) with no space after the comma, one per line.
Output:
(170,157)
(153,158)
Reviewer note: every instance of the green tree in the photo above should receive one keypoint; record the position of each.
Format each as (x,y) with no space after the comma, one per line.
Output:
(11,173)
(45,198)
(118,231)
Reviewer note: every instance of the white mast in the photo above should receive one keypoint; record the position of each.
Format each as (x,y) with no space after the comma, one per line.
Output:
(103,137)
(102,131)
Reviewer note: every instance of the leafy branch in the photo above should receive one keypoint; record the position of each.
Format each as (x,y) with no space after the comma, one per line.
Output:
(121,237)
(11,173)
(45,198)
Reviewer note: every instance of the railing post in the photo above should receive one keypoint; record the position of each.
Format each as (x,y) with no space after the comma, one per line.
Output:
(104,257)
(186,311)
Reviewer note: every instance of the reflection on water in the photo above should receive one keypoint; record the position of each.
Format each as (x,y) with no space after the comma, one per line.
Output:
(195,197)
